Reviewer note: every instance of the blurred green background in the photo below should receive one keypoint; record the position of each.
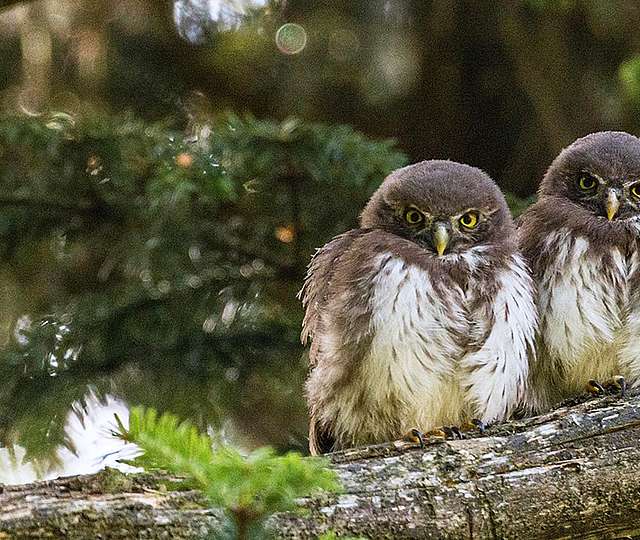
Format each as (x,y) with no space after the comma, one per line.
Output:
(168,168)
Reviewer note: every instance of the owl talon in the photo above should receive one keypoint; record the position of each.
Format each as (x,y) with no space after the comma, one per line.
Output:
(451,432)
(448,432)
(415,436)
(617,385)
(595,388)
(440,433)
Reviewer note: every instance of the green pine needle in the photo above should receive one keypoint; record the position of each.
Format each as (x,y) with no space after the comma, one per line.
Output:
(248,487)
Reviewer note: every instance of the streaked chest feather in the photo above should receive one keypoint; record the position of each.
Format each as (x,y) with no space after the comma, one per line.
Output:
(587,306)
(418,338)
(420,369)
(415,323)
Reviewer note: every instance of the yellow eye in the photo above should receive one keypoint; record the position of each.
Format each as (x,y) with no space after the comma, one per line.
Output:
(413,217)
(587,182)
(635,191)
(469,220)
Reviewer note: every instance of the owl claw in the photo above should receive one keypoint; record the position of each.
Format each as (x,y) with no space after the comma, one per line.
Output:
(594,387)
(440,433)
(455,432)
(448,432)
(617,385)
(415,436)
(475,423)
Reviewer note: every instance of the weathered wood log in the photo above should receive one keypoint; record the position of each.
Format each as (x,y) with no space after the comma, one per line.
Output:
(572,473)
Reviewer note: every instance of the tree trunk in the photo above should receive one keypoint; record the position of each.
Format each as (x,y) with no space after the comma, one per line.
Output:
(572,473)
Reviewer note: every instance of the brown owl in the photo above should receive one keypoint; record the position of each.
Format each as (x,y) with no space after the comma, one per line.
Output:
(581,239)
(423,316)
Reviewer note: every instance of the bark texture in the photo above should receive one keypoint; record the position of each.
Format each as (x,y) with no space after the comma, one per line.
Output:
(572,473)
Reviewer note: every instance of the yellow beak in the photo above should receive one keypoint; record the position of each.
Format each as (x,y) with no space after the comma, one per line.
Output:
(440,238)
(613,204)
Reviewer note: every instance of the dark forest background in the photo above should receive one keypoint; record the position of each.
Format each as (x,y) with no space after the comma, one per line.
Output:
(168,168)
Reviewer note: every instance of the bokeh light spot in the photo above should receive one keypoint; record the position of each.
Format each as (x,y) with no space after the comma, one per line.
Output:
(60,121)
(291,38)
(184,160)
(285,234)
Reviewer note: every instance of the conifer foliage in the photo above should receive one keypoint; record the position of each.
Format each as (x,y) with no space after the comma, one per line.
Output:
(248,488)
(163,267)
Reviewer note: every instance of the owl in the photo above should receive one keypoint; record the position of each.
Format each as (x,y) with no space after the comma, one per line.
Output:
(581,241)
(424,316)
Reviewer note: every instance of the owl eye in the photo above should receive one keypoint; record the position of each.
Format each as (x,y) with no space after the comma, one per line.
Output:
(635,191)
(413,217)
(469,220)
(587,182)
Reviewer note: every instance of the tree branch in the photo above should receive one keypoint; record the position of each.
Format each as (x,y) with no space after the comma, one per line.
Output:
(574,472)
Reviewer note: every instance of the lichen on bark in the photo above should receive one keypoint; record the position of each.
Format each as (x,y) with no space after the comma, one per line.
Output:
(571,473)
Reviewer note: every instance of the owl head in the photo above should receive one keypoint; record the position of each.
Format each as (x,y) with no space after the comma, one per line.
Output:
(599,176)
(443,206)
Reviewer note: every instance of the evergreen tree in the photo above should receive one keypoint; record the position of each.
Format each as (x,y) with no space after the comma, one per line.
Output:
(163,267)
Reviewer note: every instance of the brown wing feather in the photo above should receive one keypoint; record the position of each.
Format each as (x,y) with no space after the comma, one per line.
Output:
(337,297)
(314,295)
(318,281)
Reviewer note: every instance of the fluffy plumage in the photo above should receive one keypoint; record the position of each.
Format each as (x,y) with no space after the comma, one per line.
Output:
(403,337)
(581,241)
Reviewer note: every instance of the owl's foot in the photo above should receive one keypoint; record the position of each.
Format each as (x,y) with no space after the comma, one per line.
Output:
(474,424)
(450,432)
(414,436)
(458,432)
(594,387)
(443,433)
(616,385)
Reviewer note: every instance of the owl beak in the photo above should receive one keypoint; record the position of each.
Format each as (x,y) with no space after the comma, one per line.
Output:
(613,204)
(440,238)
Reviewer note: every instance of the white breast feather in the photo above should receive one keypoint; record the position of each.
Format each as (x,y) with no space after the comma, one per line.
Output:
(586,312)
(630,351)
(499,370)
(416,355)
(573,301)
(410,354)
